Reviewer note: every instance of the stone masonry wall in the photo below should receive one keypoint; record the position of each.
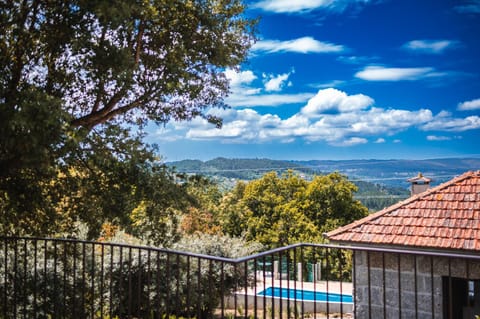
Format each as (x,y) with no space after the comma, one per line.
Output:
(394,278)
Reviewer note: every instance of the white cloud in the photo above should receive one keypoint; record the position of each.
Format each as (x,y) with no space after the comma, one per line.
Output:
(379,121)
(276,83)
(352,59)
(430,46)
(351,141)
(300,45)
(438,138)
(448,124)
(331,116)
(331,84)
(473,6)
(444,114)
(353,119)
(246,91)
(292,6)
(469,105)
(252,100)
(380,73)
(335,100)
(239,78)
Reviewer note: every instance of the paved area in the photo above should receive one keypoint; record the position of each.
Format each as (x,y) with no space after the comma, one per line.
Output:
(324,286)
(318,307)
(312,309)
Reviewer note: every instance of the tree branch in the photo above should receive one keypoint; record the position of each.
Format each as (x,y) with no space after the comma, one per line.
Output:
(97,116)
(102,116)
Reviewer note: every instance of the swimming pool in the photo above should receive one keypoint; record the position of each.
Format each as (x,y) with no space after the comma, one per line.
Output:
(305,295)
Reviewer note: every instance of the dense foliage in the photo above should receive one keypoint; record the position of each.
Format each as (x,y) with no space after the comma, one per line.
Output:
(121,59)
(74,75)
(237,168)
(225,171)
(376,197)
(280,210)
(113,178)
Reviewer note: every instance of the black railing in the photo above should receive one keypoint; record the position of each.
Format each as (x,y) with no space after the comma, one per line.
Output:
(62,278)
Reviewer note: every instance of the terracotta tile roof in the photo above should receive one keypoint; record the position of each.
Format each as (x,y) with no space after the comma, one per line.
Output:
(443,217)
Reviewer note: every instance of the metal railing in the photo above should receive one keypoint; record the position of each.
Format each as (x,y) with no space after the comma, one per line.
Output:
(64,278)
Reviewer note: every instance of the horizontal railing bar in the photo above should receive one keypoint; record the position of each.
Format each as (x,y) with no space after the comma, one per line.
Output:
(120,245)
(399,250)
(409,251)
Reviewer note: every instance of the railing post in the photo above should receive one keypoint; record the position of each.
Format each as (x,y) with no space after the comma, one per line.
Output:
(299,272)
(317,272)
(276,274)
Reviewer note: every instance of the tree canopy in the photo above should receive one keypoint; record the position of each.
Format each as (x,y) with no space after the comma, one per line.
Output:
(76,75)
(280,210)
(131,60)
(70,66)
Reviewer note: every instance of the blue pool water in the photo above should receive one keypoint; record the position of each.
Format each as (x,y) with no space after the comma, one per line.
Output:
(305,295)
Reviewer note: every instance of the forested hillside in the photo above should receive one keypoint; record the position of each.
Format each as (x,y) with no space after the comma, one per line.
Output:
(380,183)
(386,172)
(395,172)
(227,172)
(243,169)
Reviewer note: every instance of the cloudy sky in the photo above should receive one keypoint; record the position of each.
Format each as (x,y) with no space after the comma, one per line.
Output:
(348,79)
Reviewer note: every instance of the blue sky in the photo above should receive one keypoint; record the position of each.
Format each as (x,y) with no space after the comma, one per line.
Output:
(347,79)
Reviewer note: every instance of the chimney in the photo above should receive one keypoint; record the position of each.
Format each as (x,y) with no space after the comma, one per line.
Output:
(419,183)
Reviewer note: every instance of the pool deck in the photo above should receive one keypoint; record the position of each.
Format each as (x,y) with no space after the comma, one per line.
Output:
(323,286)
(310,306)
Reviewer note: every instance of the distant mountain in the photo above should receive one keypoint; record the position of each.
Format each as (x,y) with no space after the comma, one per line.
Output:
(396,172)
(244,169)
(381,183)
(386,172)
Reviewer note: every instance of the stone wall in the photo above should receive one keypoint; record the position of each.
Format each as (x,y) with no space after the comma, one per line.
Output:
(413,282)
